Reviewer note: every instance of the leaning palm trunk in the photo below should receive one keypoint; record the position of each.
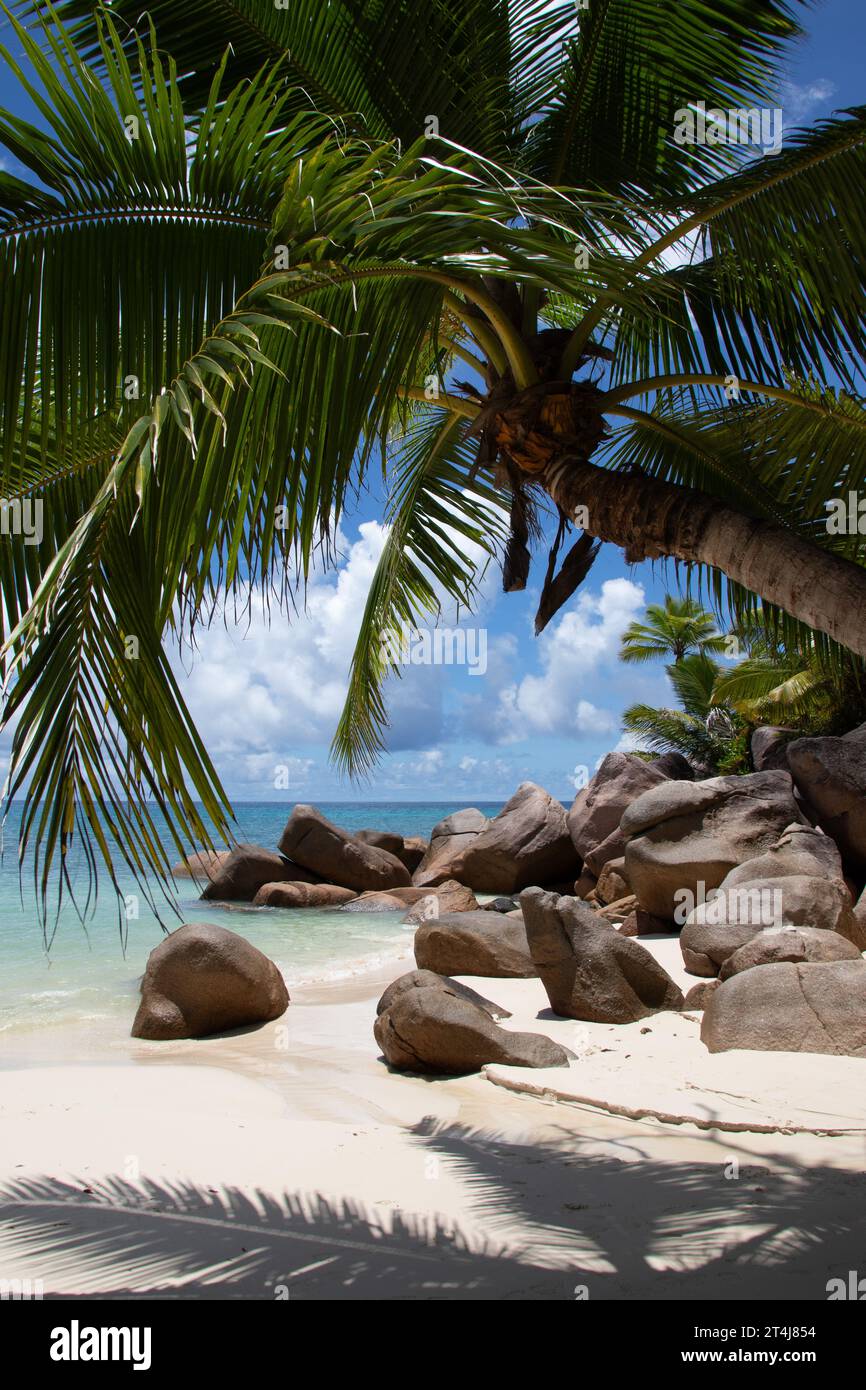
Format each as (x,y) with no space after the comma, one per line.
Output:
(650,519)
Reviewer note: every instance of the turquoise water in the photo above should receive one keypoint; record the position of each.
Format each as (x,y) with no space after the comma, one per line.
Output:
(87,976)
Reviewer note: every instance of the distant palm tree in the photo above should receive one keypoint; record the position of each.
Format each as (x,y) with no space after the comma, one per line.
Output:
(700,730)
(679,627)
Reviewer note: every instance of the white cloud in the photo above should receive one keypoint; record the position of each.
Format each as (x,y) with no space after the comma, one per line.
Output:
(265,690)
(571,652)
(800,101)
(429,763)
(628,743)
(272,685)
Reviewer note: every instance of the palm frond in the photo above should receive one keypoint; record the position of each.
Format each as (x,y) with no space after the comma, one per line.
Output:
(694,679)
(479,69)
(443,524)
(632,66)
(763,688)
(669,730)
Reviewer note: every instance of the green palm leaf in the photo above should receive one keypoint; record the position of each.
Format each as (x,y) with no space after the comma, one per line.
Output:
(633,64)
(440,522)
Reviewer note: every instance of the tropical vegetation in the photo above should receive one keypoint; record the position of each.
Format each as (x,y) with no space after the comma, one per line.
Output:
(721,705)
(258,257)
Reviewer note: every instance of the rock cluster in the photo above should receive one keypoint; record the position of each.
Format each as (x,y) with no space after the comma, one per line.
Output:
(685,834)
(796,882)
(762,875)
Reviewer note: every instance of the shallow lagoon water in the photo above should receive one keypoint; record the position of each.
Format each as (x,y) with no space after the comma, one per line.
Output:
(87,975)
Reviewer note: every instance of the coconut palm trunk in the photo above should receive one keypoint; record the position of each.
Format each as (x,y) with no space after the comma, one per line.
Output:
(649,519)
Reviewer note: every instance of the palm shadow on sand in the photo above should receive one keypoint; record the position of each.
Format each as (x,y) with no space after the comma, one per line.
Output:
(590,1226)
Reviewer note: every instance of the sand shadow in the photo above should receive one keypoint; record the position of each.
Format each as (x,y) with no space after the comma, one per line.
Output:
(615,1226)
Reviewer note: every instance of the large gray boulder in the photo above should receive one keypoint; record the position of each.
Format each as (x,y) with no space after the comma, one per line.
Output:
(797,881)
(830,773)
(768,747)
(589,971)
(247,869)
(302,895)
(724,923)
(800,851)
(797,944)
(594,818)
(474,943)
(387,840)
(528,842)
(203,979)
(338,857)
(686,834)
(203,865)
(448,840)
(817,1007)
(428,979)
(436,1029)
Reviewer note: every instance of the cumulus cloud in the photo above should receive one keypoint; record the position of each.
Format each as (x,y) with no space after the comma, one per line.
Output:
(572,654)
(628,743)
(267,689)
(273,681)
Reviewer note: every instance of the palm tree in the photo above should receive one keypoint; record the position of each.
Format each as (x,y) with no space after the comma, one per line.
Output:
(678,627)
(705,732)
(777,683)
(256,253)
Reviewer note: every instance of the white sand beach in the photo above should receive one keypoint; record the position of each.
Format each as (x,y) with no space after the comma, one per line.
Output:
(286,1161)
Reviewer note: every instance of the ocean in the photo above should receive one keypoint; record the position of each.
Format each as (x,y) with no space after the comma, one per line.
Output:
(89,976)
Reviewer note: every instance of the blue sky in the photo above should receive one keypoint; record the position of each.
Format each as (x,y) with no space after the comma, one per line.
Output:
(267,700)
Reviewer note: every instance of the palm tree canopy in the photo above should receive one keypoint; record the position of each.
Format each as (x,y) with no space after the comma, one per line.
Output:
(251,246)
(704,730)
(672,630)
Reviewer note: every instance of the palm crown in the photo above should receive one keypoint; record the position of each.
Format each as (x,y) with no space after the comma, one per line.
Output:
(237,279)
(673,630)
